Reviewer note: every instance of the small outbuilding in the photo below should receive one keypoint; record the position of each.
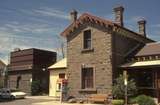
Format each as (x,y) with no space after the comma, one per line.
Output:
(57,75)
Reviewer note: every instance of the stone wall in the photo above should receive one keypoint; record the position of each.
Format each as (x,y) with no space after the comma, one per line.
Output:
(99,58)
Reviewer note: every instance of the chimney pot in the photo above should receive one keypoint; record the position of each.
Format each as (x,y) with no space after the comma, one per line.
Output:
(142,27)
(73,15)
(119,15)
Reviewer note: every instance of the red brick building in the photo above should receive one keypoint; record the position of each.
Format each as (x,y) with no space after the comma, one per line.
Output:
(30,65)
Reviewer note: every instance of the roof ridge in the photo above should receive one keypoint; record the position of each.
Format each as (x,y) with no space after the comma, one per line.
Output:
(88,14)
(98,20)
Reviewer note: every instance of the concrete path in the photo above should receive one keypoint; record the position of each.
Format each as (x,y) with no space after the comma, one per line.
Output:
(39,100)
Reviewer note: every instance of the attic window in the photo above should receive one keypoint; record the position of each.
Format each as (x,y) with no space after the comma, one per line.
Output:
(87,39)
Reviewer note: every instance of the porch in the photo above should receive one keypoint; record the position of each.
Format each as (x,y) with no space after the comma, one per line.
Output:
(146,75)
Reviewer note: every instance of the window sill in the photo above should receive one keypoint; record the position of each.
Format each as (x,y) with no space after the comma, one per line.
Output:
(87,50)
(88,90)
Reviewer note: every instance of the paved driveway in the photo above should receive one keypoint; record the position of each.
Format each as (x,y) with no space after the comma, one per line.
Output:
(28,101)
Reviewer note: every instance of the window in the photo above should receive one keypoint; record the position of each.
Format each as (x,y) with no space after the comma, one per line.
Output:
(145,79)
(18,81)
(87,39)
(59,86)
(87,78)
(61,75)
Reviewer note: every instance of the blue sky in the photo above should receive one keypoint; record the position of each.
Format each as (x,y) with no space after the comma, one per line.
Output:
(38,23)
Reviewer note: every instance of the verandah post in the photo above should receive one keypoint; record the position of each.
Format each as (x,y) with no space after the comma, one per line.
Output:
(125,84)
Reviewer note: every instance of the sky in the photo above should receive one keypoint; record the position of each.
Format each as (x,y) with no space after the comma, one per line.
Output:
(38,23)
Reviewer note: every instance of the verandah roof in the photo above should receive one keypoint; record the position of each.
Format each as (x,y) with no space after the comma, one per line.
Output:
(141,64)
(149,49)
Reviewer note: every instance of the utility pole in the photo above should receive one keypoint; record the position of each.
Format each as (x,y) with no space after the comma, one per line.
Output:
(5,76)
(125,84)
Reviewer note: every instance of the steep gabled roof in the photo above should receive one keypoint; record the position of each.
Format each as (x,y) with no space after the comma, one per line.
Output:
(86,17)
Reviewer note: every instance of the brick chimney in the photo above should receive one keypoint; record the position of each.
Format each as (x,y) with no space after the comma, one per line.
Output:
(119,15)
(73,15)
(142,27)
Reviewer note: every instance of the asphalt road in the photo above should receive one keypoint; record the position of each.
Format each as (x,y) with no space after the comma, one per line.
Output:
(26,101)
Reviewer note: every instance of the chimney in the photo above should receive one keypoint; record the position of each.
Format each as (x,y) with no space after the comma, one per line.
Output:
(73,15)
(142,27)
(119,15)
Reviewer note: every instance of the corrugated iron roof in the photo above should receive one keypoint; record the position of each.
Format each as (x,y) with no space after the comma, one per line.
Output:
(149,49)
(141,64)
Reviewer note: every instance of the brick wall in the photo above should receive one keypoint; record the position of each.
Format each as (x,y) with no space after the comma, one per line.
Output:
(24,83)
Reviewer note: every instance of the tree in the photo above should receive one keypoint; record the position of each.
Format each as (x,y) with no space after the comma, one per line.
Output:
(118,89)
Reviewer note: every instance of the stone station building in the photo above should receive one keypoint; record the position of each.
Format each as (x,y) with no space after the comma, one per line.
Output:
(98,50)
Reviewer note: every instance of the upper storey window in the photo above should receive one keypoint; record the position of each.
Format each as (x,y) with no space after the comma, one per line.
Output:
(87,39)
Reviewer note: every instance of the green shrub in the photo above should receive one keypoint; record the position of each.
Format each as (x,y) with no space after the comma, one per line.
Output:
(35,87)
(132,100)
(117,102)
(144,100)
(118,89)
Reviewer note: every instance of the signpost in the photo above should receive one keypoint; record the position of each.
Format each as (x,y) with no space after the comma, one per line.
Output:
(63,89)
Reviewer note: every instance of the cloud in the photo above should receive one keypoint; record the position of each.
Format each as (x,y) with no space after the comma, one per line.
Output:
(24,36)
(9,43)
(52,12)
(27,27)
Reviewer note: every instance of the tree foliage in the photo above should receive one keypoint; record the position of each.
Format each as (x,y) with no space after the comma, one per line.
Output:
(118,89)
(35,87)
